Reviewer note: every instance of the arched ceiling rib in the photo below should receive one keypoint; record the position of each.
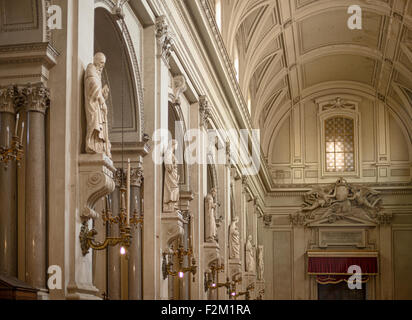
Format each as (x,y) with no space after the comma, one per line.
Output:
(296,46)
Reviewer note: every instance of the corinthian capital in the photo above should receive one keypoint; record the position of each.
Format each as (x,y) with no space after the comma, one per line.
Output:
(136,176)
(7,99)
(164,38)
(204,109)
(35,98)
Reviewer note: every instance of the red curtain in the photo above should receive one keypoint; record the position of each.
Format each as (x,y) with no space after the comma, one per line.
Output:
(340,265)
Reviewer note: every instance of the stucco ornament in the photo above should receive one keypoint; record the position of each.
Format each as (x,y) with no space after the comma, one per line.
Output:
(338,201)
(97,136)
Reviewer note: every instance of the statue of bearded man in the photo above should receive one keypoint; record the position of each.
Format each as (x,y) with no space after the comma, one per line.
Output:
(97,137)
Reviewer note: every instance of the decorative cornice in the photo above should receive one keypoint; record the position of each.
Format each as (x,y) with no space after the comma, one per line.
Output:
(164,38)
(41,52)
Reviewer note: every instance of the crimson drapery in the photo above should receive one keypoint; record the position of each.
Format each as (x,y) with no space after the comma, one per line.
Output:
(340,265)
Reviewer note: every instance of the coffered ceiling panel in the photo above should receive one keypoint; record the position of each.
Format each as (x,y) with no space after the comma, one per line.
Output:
(339,68)
(329,28)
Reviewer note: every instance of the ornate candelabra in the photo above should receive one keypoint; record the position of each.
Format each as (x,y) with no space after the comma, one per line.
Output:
(211,281)
(179,253)
(235,281)
(13,152)
(246,293)
(125,222)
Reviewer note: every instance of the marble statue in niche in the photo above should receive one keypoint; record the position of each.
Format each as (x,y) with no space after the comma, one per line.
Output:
(260,263)
(210,216)
(250,255)
(97,136)
(234,239)
(171,191)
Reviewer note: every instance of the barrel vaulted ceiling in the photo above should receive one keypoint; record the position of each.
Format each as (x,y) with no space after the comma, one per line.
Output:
(291,49)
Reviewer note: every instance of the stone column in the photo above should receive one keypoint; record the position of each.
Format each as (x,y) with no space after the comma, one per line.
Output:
(135,250)
(113,253)
(8,213)
(36,100)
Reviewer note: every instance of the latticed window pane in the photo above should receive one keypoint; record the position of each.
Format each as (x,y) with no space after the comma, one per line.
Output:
(339,145)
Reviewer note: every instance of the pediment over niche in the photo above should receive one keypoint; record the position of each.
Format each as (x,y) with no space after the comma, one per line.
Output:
(341,204)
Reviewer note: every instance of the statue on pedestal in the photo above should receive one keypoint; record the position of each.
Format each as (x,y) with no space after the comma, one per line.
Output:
(171,192)
(234,239)
(97,137)
(250,255)
(210,216)
(260,263)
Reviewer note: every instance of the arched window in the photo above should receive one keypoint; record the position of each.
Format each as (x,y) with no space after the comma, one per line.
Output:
(218,12)
(339,127)
(340,144)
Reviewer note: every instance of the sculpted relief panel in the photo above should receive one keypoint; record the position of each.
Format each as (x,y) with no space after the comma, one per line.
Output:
(338,202)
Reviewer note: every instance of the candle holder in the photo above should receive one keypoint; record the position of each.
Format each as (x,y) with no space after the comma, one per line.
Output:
(88,237)
(180,253)
(246,293)
(14,152)
(211,282)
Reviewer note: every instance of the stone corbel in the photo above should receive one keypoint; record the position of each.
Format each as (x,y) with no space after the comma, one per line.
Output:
(267,220)
(211,254)
(164,38)
(179,86)
(205,111)
(172,228)
(96,181)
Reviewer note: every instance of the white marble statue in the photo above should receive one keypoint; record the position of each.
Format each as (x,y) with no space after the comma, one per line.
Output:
(234,239)
(171,191)
(260,263)
(97,136)
(210,216)
(250,256)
